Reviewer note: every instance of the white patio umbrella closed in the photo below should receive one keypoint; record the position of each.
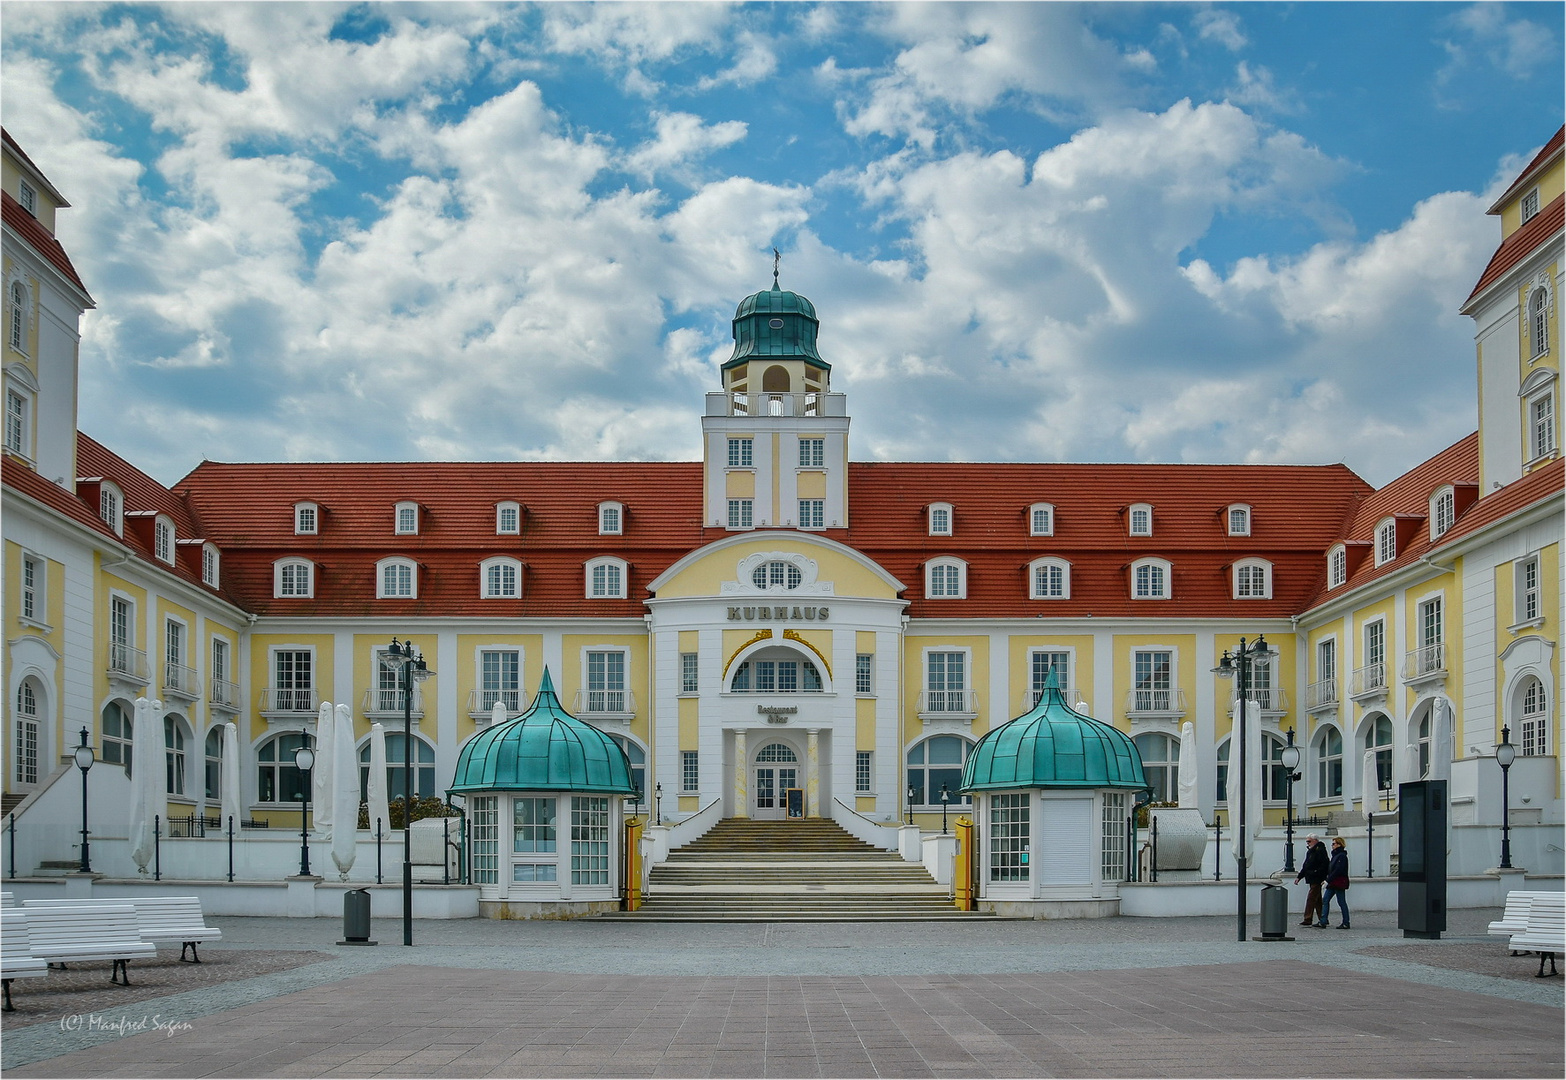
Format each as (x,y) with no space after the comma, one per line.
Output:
(230,795)
(1189,770)
(321,777)
(1441,740)
(375,784)
(1370,790)
(140,825)
(345,793)
(1254,795)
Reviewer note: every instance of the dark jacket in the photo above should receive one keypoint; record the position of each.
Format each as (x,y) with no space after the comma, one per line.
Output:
(1337,870)
(1314,868)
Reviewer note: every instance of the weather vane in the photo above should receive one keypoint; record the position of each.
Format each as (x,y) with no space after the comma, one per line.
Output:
(776,258)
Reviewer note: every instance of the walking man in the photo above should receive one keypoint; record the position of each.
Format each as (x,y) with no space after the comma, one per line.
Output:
(1314,871)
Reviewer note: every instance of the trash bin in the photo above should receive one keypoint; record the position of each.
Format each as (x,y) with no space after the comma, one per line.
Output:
(1274,913)
(356,917)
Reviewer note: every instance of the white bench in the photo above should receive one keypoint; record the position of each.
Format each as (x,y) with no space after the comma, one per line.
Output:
(7,899)
(87,931)
(16,957)
(161,918)
(1545,933)
(1514,920)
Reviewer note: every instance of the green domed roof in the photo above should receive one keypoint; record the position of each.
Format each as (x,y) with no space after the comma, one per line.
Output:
(1053,746)
(544,749)
(775,324)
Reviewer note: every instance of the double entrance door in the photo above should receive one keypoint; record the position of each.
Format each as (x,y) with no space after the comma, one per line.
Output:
(776,770)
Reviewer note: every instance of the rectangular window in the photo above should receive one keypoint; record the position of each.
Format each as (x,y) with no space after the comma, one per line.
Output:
(533,825)
(219,660)
(508,520)
(293,686)
(1141,523)
(486,840)
(396,580)
(589,840)
(1049,580)
(29,197)
(31,576)
(690,772)
(1375,643)
(1112,834)
(1152,692)
(863,681)
(1041,665)
(1326,661)
(1527,589)
(1043,521)
(940,521)
(606,682)
(1430,622)
(304,520)
(1386,543)
(863,771)
(812,453)
(1542,413)
(1530,205)
(740,513)
(174,643)
(1337,568)
(407,520)
(689,683)
(1009,830)
(812,513)
(15,422)
(121,636)
(742,453)
(946,682)
(499,679)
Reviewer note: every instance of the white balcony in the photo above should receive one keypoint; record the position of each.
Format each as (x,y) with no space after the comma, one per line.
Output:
(1369,681)
(481,703)
(1425,663)
(728,404)
(181,681)
(381,703)
(955,704)
(1272,699)
(1156,703)
(1322,695)
(128,664)
(289,701)
(604,704)
(223,694)
(1030,698)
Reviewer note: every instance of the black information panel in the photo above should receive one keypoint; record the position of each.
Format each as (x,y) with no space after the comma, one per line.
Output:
(794,801)
(1421,872)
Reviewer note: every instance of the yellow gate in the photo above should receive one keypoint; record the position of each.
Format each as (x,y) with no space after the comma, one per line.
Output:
(963,871)
(632,890)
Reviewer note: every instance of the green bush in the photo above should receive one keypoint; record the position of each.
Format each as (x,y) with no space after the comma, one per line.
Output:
(427,807)
(1141,812)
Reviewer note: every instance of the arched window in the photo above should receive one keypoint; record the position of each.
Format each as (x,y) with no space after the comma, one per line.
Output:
(117,734)
(1378,740)
(946,579)
(396,579)
(611,519)
(176,733)
(214,766)
(1423,743)
(27,731)
(307,519)
(1160,763)
(211,565)
(396,770)
(293,578)
(1337,566)
(407,519)
(111,506)
(940,519)
(508,518)
(1253,579)
(776,671)
(1386,541)
(1539,322)
(1150,580)
(1533,719)
(501,577)
(18,317)
(1329,763)
(163,539)
(777,574)
(1049,579)
(1275,778)
(1239,516)
(278,779)
(1139,519)
(1443,511)
(1041,519)
(638,759)
(934,763)
(606,579)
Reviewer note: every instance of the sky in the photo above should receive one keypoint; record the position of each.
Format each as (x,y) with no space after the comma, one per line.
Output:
(1037,232)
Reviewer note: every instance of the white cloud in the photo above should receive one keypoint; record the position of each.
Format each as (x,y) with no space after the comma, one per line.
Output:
(1214,24)
(681,138)
(1516,46)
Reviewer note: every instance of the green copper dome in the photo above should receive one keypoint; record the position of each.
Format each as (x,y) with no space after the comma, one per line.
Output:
(1053,746)
(544,749)
(776,324)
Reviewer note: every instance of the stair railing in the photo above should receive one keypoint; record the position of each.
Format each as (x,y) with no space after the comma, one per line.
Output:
(695,826)
(862,828)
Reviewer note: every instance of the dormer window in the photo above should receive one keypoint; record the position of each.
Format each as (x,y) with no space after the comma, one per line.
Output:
(111,507)
(508,519)
(1337,566)
(606,579)
(210,565)
(293,578)
(1041,519)
(940,519)
(1386,541)
(407,519)
(1150,579)
(1253,579)
(1530,205)
(163,539)
(501,578)
(611,519)
(1443,512)
(307,519)
(946,579)
(1239,520)
(396,579)
(1139,520)
(28,197)
(1050,579)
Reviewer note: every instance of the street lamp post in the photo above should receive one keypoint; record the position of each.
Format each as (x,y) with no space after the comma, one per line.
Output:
(658,800)
(913,793)
(946,797)
(304,758)
(1291,761)
(1505,754)
(405,657)
(84,760)
(1238,666)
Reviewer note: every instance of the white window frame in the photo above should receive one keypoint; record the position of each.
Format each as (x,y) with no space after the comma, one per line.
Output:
(211,565)
(1035,688)
(1538,325)
(1145,522)
(1166,571)
(479,689)
(19,304)
(1527,598)
(741,452)
(690,674)
(944,563)
(1532,728)
(741,513)
(812,452)
(281,565)
(34,599)
(111,506)
(864,675)
(1054,563)
(27,749)
(1174,690)
(1386,541)
(1243,512)
(486,592)
(401,525)
(163,537)
(1252,564)
(1443,511)
(864,772)
(27,196)
(812,513)
(1543,438)
(1528,207)
(396,562)
(622,569)
(307,519)
(514,528)
(625,700)
(1041,519)
(1337,566)
(940,519)
(690,772)
(19,422)
(611,518)
(968,690)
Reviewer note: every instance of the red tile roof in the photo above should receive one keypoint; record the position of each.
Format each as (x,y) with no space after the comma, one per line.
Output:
(1549,150)
(247,509)
(1539,485)
(41,239)
(33,165)
(1517,247)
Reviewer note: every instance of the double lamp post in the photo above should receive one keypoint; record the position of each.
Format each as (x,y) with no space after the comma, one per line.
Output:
(1240,665)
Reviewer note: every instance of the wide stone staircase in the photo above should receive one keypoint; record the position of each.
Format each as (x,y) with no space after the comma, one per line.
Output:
(774,871)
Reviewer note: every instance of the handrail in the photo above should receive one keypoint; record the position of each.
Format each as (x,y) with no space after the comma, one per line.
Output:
(871,832)
(695,826)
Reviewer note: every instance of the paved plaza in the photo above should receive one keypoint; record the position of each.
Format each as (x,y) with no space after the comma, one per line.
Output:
(1111,997)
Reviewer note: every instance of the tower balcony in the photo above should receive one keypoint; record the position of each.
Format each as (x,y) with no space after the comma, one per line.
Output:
(723,403)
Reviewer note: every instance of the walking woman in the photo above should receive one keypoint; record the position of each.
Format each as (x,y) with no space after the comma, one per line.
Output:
(1337,884)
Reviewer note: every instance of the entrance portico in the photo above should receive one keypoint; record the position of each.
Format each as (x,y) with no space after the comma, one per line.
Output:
(767,763)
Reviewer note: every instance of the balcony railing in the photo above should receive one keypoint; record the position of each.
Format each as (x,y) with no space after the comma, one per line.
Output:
(1030,698)
(127,663)
(290,699)
(730,404)
(605,703)
(223,694)
(380,701)
(948,703)
(1369,679)
(181,681)
(481,703)
(1322,694)
(1270,698)
(1424,661)
(1169,700)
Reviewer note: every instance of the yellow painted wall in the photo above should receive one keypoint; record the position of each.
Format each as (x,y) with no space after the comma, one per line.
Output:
(739,484)
(705,577)
(530,671)
(1183,674)
(978,646)
(1021,680)
(574,675)
(12,177)
(812,485)
(1451,590)
(262,675)
(1550,185)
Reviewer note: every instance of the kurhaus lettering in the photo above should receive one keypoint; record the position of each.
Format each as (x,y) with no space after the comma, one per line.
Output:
(777,613)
